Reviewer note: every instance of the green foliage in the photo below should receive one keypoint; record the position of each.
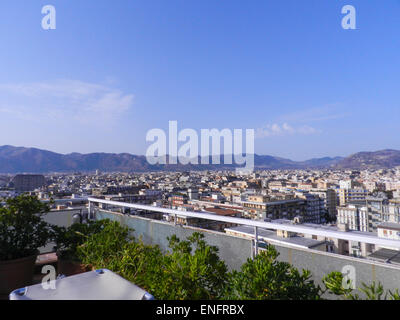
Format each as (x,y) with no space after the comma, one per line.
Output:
(393,295)
(115,249)
(141,264)
(265,278)
(335,285)
(69,239)
(22,229)
(104,249)
(191,271)
(374,291)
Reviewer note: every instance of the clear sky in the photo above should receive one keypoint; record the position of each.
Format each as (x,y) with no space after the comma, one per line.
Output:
(112,70)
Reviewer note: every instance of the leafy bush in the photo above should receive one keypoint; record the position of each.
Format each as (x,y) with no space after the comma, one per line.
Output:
(114,248)
(69,239)
(104,249)
(265,278)
(335,285)
(141,264)
(191,271)
(22,229)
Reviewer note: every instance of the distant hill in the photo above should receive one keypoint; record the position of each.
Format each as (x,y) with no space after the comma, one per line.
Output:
(20,159)
(325,162)
(371,160)
(32,160)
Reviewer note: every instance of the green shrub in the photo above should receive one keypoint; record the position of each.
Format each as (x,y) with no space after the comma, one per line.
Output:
(22,229)
(104,249)
(69,239)
(114,248)
(335,285)
(191,271)
(141,264)
(265,278)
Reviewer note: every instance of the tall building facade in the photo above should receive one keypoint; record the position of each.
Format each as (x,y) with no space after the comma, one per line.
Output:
(355,217)
(330,201)
(370,216)
(28,182)
(351,195)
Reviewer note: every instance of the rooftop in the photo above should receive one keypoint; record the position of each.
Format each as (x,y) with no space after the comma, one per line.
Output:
(390,225)
(386,255)
(271,236)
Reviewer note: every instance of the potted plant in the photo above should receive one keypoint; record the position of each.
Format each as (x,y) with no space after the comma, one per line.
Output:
(22,232)
(67,242)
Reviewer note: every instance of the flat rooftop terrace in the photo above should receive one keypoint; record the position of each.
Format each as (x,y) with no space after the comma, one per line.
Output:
(271,236)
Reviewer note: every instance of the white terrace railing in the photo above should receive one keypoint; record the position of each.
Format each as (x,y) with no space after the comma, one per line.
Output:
(355,236)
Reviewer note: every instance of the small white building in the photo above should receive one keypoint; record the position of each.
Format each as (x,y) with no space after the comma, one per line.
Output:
(389,230)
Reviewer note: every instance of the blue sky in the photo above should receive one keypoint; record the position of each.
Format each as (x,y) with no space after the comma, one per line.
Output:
(112,70)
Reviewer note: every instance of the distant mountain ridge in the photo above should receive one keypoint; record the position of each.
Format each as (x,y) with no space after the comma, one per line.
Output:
(33,160)
(371,160)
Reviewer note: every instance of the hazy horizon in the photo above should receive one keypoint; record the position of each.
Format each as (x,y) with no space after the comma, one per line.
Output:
(221,154)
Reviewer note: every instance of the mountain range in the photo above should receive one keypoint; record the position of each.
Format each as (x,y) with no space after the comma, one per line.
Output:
(33,160)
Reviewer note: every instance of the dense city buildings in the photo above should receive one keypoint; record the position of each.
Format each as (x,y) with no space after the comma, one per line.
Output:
(364,201)
(314,218)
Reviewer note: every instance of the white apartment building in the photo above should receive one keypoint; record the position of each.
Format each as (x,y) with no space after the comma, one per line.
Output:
(394,210)
(356,218)
(346,184)
(371,216)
